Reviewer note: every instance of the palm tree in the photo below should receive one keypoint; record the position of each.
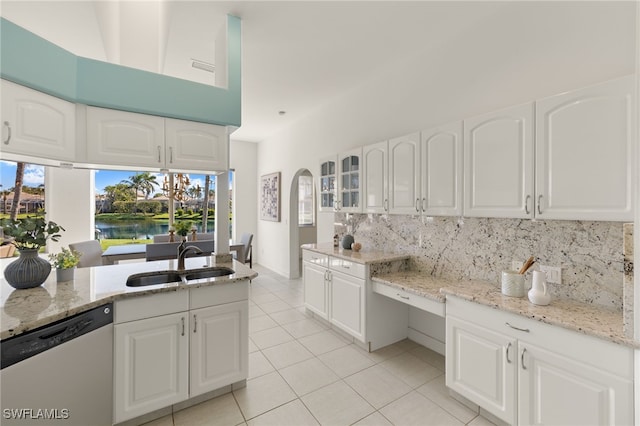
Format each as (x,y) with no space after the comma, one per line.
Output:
(17,191)
(205,203)
(141,182)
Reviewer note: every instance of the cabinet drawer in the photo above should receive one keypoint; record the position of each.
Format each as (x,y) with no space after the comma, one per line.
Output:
(347,267)
(151,305)
(218,294)
(315,258)
(414,300)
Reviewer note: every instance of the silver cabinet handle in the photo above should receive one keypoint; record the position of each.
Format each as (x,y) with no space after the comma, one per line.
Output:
(402,297)
(526,330)
(526,204)
(171,155)
(524,367)
(418,205)
(195,323)
(6,123)
(424,204)
(508,347)
(159,154)
(345,266)
(183,326)
(539,204)
(386,205)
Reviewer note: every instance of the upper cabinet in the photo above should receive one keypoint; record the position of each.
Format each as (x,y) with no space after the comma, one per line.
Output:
(585,153)
(404,174)
(441,159)
(375,172)
(349,193)
(144,141)
(498,163)
(328,173)
(37,125)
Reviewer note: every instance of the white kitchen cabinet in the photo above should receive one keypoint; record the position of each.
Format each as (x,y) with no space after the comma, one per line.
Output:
(498,163)
(314,272)
(375,171)
(151,364)
(585,153)
(35,124)
(349,182)
(526,372)
(122,138)
(219,346)
(347,297)
(328,181)
(404,174)
(442,170)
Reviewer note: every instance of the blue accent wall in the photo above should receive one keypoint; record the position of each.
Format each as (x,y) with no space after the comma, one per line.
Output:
(28,59)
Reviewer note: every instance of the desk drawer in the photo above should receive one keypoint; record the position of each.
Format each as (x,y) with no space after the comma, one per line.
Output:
(412,299)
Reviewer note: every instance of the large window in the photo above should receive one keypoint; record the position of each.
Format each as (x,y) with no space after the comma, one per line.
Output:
(305,201)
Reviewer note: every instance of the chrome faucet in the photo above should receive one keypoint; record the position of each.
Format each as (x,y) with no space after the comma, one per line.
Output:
(183,249)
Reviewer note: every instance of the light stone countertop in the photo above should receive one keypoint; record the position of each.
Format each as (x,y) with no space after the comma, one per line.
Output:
(363,256)
(583,318)
(23,310)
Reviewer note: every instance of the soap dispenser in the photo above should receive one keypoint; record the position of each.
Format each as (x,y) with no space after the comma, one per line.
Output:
(539,294)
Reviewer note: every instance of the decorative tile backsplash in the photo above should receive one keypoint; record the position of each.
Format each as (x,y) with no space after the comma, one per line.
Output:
(590,253)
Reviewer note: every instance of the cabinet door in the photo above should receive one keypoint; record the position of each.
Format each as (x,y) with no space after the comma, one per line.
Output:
(315,289)
(404,174)
(556,390)
(195,146)
(124,138)
(480,365)
(585,153)
(219,346)
(375,170)
(151,364)
(349,181)
(346,295)
(328,188)
(498,164)
(37,124)
(442,176)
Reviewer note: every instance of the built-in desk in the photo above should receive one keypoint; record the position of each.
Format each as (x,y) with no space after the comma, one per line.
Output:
(413,288)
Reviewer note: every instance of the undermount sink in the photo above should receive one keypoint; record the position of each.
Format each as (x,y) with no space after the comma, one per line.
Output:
(167,277)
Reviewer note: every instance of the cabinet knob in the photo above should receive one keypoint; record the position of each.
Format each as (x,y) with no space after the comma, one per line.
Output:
(6,141)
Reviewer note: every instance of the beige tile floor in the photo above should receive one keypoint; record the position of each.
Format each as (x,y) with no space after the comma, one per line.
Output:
(303,373)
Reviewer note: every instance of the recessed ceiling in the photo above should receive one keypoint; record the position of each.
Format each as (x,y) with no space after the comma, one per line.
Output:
(296,55)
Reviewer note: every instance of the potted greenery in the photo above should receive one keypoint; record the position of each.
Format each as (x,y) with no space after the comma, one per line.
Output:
(65,263)
(183,228)
(29,235)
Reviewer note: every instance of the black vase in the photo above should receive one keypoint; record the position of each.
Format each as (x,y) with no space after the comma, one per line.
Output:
(29,270)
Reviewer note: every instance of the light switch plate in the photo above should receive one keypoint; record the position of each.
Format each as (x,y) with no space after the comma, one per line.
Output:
(554,274)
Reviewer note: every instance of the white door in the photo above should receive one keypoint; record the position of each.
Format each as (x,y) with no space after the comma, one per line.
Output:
(442,163)
(36,124)
(219,346)
(404,174)
(556,390)
(346,294)
(151,364)
(375,170)
(480,365)
(328,188)
(315,289)
(195,146)
(349,181)
(498,163)
(585,153)
(124,138)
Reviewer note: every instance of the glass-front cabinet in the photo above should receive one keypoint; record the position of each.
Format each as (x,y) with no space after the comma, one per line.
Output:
(350,189)
(328,190)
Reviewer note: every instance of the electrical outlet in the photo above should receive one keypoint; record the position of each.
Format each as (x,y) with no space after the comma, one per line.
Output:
(516,265)
(554,274)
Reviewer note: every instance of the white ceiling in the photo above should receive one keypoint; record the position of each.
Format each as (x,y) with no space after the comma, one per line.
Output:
(297,55)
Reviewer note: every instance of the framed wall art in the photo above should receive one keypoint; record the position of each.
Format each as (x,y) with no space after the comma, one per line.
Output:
(270,197)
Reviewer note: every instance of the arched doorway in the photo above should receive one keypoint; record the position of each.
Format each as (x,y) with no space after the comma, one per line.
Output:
(302,214)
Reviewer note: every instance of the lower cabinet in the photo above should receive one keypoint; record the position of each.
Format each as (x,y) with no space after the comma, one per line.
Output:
(529,373)
(347,303)
(315,288)
(163,357)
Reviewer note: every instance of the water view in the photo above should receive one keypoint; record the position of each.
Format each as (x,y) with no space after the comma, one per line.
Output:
(138,229)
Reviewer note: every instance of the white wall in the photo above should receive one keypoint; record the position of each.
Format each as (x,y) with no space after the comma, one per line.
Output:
(243,159)
(530,50)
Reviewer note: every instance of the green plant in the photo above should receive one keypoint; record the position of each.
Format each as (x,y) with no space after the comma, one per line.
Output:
(32,232)
(66,259)
(183,227)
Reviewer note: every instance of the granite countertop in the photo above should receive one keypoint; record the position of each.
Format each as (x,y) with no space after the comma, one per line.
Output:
(23,310)
(363,256)
(583,318)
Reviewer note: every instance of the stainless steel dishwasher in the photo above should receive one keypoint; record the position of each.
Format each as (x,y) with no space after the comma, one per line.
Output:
(60,374)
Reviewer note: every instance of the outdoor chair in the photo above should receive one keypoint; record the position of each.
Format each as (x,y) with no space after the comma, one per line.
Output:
(202,236)
(162,238)
(90,253)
